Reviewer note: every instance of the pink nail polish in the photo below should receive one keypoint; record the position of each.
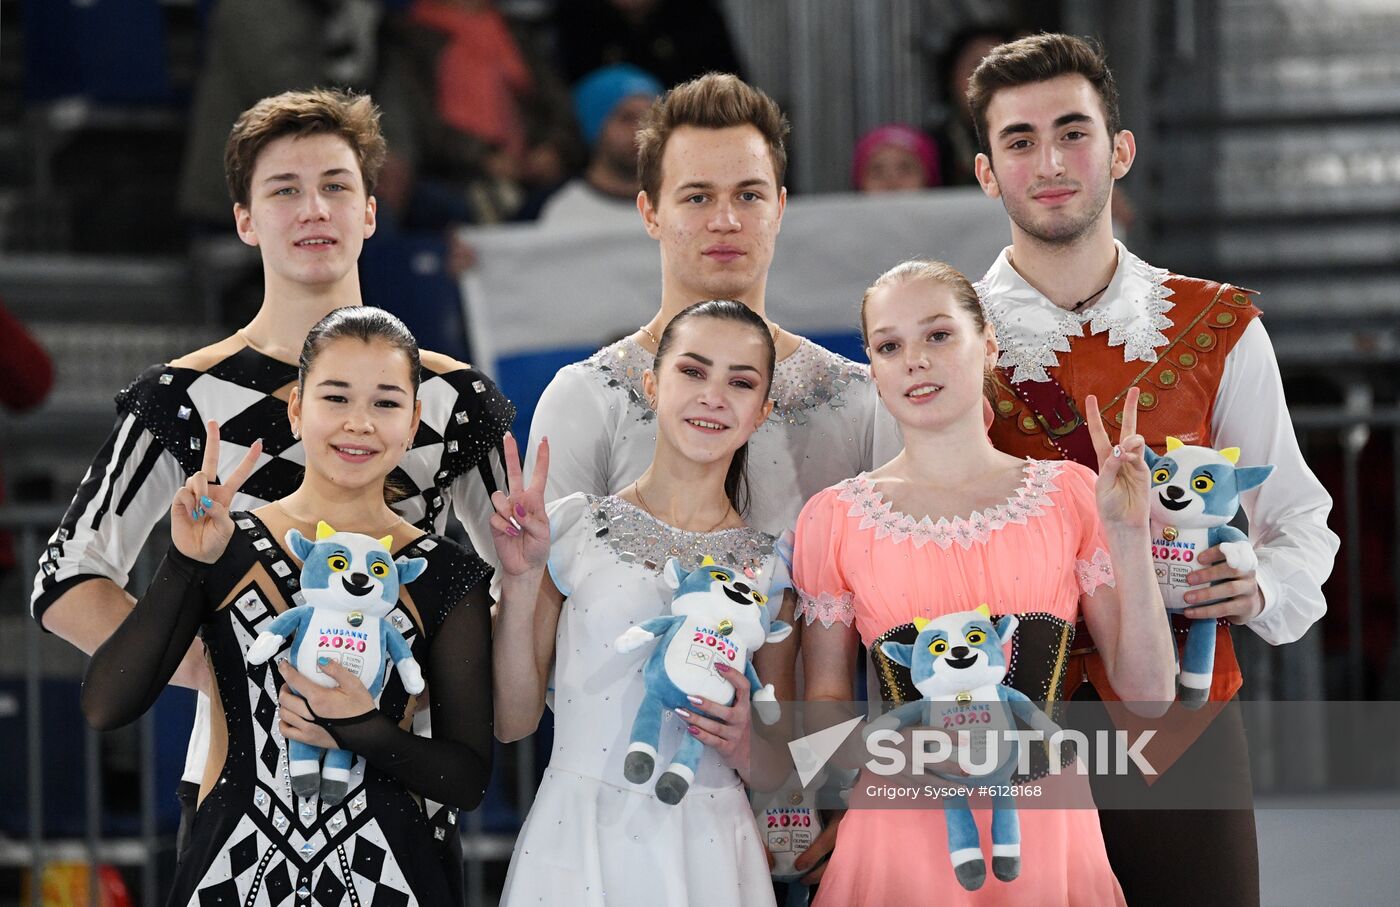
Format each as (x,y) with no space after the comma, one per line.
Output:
(520,510)
(694,731)
(695,700)
(683,713)
(723,669)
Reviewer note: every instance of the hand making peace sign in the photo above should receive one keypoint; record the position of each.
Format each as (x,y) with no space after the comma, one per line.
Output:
(200,525)
(520,526)
(1123,488)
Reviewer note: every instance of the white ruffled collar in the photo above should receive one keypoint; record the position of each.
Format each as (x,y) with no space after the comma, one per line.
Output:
(1031,329)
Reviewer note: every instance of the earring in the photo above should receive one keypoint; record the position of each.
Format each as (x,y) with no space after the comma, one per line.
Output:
(296,435)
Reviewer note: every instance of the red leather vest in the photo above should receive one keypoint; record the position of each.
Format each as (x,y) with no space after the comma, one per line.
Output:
(1177,398)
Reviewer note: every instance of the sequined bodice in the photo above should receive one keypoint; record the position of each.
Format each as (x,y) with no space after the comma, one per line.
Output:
(607,556)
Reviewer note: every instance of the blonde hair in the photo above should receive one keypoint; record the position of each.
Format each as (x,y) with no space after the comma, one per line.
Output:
(918,270)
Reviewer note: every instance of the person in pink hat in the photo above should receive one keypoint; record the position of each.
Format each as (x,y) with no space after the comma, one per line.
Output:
(895,158)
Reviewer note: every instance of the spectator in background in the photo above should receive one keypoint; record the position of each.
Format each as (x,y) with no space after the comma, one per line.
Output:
(609,105)
(258,48)
(895,158)
(501,129)
(958,136)
(674,40)
(26,377)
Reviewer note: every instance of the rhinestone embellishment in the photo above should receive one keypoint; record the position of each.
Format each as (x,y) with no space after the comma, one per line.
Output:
(638,538)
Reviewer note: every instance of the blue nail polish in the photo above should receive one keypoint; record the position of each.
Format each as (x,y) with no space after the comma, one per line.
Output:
(207,502)
(196,513)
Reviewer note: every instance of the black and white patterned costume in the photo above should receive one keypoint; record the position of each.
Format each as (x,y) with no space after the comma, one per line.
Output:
(157,443)
(253,841)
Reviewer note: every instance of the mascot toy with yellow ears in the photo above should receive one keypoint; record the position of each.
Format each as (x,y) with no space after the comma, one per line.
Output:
(1195,493)
(957,663)
(351,583)
(716,618)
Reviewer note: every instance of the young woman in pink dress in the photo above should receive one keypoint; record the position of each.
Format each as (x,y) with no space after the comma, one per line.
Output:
(947,525)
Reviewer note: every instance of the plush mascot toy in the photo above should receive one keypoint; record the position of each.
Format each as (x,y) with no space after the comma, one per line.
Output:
(350,583)
(957,662)
(1195,494)
(716,618)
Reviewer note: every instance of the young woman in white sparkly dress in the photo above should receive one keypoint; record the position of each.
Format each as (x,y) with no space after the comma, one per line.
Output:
(581,571)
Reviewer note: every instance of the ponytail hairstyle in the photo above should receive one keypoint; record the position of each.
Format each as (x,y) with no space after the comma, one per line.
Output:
(736,483)
(366,324)
(938,272)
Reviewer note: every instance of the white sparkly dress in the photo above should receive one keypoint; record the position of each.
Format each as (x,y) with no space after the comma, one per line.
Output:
(827,425)
(593,839)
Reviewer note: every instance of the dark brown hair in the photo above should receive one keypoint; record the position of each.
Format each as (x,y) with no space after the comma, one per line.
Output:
(366,324)
(736,483)
(1039,58)
(320,111)
(713,101)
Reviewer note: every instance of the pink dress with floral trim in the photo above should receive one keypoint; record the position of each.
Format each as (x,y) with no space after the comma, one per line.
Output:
(859,562)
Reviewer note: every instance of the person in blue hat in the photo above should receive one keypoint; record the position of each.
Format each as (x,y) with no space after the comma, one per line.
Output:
(608,104)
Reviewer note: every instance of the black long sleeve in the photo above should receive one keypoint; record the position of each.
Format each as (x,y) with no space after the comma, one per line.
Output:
(131,669)
(454,765)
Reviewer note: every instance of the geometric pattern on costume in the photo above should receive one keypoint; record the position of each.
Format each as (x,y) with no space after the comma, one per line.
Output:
(281,849)
(164,410)
(463,418)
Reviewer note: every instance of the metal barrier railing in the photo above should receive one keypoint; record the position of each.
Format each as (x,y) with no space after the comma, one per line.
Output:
(1293,671)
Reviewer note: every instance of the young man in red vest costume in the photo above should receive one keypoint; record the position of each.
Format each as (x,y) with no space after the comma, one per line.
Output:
(1076,314)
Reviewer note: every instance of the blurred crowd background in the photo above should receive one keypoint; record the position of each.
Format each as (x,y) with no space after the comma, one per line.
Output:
(1269,156)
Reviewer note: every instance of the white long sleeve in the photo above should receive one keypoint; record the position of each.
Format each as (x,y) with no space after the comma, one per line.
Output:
(1288,513)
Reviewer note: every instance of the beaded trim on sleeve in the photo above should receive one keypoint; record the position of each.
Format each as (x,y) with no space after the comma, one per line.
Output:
(812,377)
(826,608)
(1029,500)
(621,366)
(1095,572)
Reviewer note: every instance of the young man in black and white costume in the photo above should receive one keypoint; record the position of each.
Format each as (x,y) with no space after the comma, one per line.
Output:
(301,169)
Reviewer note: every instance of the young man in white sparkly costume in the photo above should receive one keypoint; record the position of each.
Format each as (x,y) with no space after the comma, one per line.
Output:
(1051,147)
(301,169)
(711,160)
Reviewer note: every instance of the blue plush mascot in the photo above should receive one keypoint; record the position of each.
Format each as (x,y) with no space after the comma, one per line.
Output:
(957,662)
(716,618)
(1195,494)
(350,583)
